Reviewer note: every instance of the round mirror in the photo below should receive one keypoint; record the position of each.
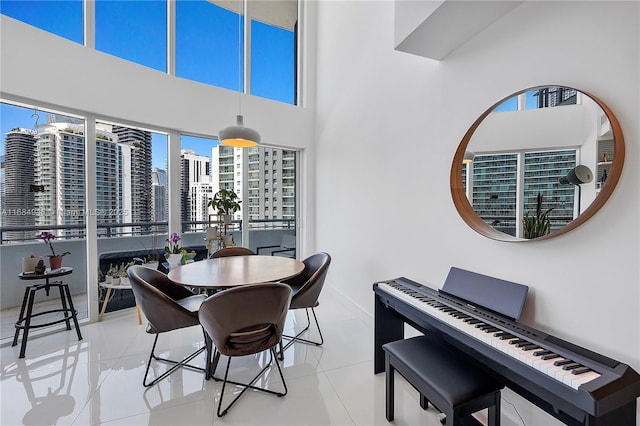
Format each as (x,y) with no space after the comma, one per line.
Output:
(537,164)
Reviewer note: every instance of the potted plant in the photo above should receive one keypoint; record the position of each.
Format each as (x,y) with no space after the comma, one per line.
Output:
(225,202)
(122,272)
(113,276)
(55,259)
(151,260)
(539,224)
(172,250)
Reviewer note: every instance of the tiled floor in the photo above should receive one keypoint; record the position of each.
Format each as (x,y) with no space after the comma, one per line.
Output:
(99,380)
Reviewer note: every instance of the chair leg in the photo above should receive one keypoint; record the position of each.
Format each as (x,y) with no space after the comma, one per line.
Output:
(246,386)
(297,338)
(177,364)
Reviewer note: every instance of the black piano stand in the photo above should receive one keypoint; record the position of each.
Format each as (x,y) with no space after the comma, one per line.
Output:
(24,321)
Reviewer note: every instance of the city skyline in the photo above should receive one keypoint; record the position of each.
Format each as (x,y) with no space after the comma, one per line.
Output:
(19,117)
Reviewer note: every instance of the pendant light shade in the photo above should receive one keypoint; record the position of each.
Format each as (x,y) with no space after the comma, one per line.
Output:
(239,136)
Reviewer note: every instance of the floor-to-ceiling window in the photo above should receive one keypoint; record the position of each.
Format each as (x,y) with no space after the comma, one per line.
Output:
(209,44)
(42,189)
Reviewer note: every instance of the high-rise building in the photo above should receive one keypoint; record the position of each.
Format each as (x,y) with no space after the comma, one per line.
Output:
(495,190)
(139,142)
(271,180)
(18,201)
(160,201)
(60,170)
(195,187)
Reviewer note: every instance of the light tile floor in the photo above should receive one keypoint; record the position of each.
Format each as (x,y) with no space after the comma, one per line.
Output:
(98,380)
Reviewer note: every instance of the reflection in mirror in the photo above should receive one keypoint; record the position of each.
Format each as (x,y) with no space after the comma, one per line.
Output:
(536,163)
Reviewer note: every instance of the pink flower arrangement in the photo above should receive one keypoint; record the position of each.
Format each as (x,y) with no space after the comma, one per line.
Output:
(47,237)
(173,244)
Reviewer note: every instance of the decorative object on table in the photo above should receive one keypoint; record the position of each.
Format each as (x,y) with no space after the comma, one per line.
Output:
(225,202)
(55,260)
(188,256)
(537,225)
(122,273)
(603,179)
(174,259)
(40,268)
(173,251)
(173,244)
(29,263)
(113,276)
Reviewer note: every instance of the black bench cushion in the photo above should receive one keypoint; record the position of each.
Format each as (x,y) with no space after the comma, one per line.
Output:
(445,370)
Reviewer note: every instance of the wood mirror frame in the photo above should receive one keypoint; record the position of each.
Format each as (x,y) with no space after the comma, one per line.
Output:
(472,219)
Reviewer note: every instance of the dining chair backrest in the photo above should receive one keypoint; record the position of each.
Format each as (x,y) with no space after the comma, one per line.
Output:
(232,251)
(308,284)
(247,319)
(159,299)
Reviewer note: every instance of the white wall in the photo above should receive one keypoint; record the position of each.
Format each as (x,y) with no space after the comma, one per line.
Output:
(53,70)
(388,124)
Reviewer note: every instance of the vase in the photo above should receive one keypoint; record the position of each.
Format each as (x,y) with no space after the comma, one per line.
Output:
(55,262)
(227,240)
(174,260)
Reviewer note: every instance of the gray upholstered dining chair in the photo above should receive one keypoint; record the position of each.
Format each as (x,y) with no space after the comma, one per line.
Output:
(246,320)
(232,251)
(306,288)
(167,307)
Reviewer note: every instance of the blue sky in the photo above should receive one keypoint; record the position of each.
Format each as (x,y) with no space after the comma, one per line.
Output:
(207,41)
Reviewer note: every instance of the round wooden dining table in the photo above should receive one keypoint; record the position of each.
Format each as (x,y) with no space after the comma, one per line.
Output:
(234,271)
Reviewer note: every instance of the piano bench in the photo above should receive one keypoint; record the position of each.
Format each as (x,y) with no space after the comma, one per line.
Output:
(443,376)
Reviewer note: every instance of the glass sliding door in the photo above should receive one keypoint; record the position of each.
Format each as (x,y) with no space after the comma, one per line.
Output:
(131,204)
(42,189)
(271,201)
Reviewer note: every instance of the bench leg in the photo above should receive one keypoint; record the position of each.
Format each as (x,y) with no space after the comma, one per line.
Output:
(424,402)
(493,418)
(389,389)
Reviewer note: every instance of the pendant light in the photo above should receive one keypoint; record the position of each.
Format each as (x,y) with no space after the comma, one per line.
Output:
(239,136)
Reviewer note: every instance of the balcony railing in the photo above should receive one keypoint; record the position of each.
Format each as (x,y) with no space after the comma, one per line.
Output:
(113,237)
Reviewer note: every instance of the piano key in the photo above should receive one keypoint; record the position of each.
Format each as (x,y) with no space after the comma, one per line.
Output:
(581,370)
(506,336)
(550,356)
(571,366)
(562,362)
(529,347)
(542,352)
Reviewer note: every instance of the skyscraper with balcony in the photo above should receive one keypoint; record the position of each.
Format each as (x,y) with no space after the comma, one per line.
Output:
(60,169)
(18,202)
(271,180)
(159,199)
(140,171)
(195,187)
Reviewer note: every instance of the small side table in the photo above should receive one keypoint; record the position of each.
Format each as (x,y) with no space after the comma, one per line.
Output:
(68,310)
(111,287)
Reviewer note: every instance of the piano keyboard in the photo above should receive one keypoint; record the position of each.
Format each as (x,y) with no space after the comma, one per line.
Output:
(546,361)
